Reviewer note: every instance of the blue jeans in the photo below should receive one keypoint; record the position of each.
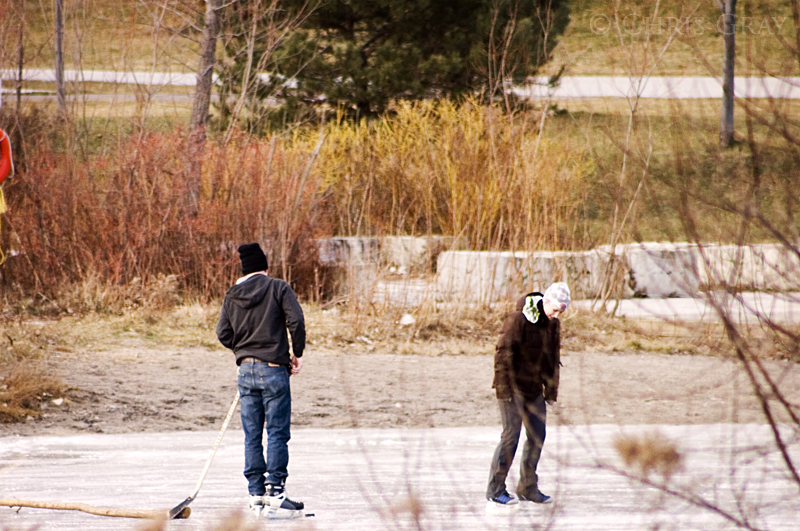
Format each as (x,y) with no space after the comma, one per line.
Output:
(265,399)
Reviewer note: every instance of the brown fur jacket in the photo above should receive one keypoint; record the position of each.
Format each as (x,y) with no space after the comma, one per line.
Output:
(527,355)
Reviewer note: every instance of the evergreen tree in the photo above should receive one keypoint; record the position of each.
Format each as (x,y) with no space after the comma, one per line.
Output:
(358,55)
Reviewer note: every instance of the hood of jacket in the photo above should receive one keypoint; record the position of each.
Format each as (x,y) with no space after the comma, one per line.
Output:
(524,298)
(249,293)
(531,306)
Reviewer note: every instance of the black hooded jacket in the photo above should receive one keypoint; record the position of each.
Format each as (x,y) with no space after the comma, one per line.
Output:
(254,318)
(527,356)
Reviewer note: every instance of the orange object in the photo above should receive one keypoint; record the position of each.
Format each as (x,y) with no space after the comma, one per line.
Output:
(6,163)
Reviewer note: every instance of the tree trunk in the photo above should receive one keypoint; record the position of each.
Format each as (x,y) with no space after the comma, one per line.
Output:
(796,19)
(17,132)
(202,100)
(728,56)
(60,90)
(20,57)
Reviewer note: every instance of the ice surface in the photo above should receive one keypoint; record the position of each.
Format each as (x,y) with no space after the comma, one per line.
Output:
(362,479)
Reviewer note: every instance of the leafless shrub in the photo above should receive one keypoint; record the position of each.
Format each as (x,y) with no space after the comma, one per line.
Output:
(648,453)
(409,506)
(123,229)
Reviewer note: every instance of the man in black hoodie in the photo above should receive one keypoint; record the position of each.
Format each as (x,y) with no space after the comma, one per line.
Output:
(526,373)
(253,321)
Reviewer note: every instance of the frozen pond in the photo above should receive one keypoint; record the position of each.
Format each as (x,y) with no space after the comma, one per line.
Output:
(361,479)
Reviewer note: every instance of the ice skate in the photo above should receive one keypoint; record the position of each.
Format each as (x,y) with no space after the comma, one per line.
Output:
(278,506)
(256,505)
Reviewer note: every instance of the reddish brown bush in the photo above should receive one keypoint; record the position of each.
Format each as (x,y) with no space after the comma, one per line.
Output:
(122,219)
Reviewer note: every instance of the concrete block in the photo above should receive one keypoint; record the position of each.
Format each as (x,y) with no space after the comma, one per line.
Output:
(761,267)
(776,267)
(475,276)
(407,252)
(410,254)
(357,265)
(651,269)
(487,276)
(349,250)
(581,270)
(661,270)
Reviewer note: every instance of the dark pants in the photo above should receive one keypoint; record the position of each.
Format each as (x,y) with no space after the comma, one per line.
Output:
(532,413)
(266,400)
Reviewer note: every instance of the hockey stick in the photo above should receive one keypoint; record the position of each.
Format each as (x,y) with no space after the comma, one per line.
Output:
(100,511)
(182,509)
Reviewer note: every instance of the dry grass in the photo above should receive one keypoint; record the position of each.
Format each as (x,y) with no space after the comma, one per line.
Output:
(465,332)
(441,331)
(585,331)
(27,379)
(26,386)
(587,49)
(649,453)
(694,109)
(103,34)
(122,35)
(598,332)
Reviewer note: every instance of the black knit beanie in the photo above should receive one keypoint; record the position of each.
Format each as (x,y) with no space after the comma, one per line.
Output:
(253,258)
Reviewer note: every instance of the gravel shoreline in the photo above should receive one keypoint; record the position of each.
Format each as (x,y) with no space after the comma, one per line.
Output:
(151,390)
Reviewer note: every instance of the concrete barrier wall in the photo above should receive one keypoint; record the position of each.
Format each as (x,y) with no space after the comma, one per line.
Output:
(659,270)
(360,265)
(653,270)
(404,253)
(487,277)
(756,268)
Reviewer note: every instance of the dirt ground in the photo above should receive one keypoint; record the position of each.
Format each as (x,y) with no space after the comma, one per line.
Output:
(165,389)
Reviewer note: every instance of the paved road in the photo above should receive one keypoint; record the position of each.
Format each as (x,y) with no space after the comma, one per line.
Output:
(105,76)
(570,87)
(111,98)
(361,479)
(662,88)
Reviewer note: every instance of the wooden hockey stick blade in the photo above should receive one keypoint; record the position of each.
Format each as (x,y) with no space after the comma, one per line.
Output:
(177,511)
(100,511)
(183,507)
